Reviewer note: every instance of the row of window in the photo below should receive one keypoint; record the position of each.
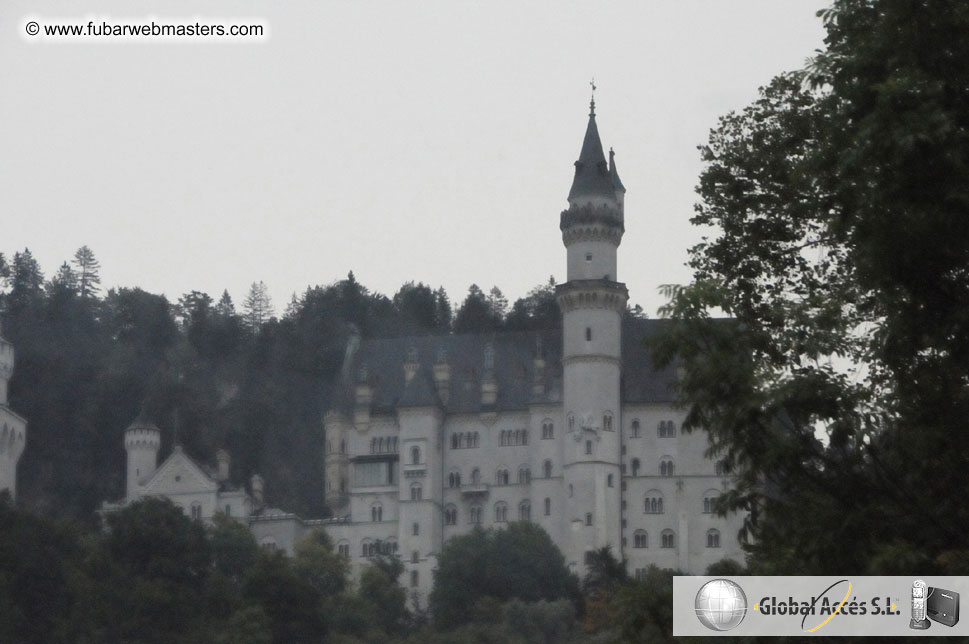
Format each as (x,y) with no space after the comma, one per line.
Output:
(476,515)
(463,440)
(511,437)
(382,445)
(668,539)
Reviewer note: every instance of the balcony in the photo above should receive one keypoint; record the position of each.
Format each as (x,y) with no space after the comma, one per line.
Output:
(474,489)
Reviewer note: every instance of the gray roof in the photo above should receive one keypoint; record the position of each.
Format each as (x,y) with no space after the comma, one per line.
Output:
(592,176)
(514,370)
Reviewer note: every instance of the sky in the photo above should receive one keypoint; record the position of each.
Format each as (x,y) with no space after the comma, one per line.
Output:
(429,141)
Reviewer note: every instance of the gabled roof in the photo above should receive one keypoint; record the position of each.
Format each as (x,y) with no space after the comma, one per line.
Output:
(179,474)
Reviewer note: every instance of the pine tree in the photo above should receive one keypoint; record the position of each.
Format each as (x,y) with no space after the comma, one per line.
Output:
(88,272)
(258,307)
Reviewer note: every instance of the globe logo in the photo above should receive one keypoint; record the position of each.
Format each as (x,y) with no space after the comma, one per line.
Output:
(721,605)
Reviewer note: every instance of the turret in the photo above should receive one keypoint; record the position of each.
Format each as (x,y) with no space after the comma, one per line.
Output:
(141,440)
(13,428)
(442,376)
(592,304)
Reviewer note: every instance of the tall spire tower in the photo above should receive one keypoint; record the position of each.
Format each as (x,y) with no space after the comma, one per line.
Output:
(13,428)
(592,303)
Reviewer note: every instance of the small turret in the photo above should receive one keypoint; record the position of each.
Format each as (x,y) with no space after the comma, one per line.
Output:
(13,428)
(142,441)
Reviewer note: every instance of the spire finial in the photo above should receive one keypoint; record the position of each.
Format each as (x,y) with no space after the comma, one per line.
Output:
(592,102)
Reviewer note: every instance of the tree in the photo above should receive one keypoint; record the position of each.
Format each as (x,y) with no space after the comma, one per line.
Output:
(257,306)
(289,602)
(318,565)
(384,598)
(476,314)
(417,306)
(536,311)
(841,245)
(88,272)
(520,562)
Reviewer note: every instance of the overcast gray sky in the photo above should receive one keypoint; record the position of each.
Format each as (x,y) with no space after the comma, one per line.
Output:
(426,141)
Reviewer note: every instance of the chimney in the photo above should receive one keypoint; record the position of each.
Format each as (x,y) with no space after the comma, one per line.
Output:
(410,364)
(442,376)
(489,386)
(257,486)
(222,459)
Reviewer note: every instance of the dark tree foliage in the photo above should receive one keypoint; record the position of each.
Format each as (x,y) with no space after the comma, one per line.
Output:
(536,311)
(841,206)
(477,313)
(520,562)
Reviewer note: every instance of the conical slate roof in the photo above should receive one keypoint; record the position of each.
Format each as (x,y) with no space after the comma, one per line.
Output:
(592,176)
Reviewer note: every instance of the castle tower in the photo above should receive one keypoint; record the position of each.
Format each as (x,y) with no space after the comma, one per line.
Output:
(141,440)
(13,428)
(592,304)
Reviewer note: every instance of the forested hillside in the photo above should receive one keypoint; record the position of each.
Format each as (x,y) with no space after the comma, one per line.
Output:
(90,360)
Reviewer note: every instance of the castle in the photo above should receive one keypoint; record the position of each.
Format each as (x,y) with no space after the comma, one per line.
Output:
(573,429)
(13,428)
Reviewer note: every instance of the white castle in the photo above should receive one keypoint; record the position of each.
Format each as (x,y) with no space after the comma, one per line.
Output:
(572,429)
(13,428)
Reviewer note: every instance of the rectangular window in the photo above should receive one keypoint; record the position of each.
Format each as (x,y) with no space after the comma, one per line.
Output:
(414,578)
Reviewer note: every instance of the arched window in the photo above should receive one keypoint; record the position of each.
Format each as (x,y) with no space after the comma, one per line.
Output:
(376,513)
(415,455)
(416,492)
(713,538)
(635,465)
(571,421)
(640,539)
(196,511)
(366,548)
(381,446)
(571,491)
(634,432)
(415,557)
(588,518)
(475,476)
(548,430)
(501,477)
(450,515)
(607,422)
(609,481)
(525,511)
(548,507)
(666,467)
(710,501)
(501,513)
(373,445)
(669,539)
(524,475)
(666,429)
(462,441)
(474,439)
(588,447)
(343,548)
(416,529)
(524,437)
(547,468)
(654,502)
(454,441)
(475,514)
